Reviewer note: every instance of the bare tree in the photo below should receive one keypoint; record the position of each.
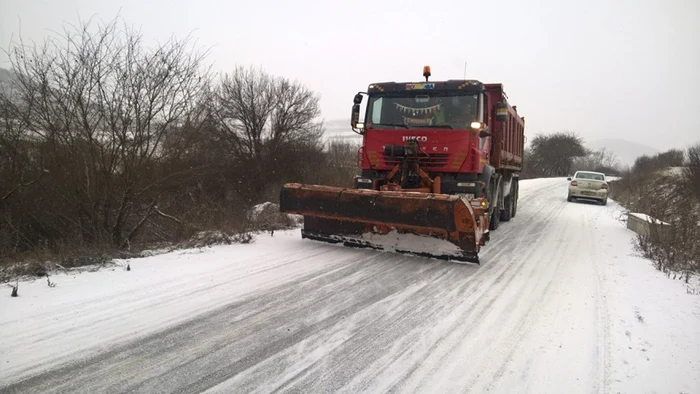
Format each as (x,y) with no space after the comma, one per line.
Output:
(269,125)
(258,114)
(601,160)
(647,164)
(91,109)
(553,155)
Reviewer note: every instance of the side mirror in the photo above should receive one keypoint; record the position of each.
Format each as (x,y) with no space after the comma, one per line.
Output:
(568,179)
(357,99)
(355,116)
(501,111)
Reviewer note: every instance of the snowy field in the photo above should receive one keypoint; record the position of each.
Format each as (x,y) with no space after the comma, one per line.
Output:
(560,304)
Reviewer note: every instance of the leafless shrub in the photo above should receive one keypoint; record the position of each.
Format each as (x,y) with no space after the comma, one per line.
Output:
(649,164)
(85,122)
(267,217)
(342,162)
(671,198)
(692,170)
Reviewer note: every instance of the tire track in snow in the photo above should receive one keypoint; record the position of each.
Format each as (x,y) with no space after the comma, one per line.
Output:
(498,277)
(452,358)
(350,360)
(593,365)
(520,328)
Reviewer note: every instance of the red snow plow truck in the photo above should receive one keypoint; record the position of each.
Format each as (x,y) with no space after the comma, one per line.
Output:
(439,165)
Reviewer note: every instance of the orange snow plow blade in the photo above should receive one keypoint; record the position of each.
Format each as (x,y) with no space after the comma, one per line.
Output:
(436,225)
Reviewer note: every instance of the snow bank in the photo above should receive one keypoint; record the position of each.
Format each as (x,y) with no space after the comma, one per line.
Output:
(654,337)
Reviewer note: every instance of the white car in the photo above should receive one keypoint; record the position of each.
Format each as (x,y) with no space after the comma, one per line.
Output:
(588,185)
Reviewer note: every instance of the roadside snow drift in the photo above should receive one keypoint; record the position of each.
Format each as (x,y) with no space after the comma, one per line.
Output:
(560,303)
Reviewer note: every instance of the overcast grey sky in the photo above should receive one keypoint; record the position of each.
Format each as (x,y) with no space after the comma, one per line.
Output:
(603,68)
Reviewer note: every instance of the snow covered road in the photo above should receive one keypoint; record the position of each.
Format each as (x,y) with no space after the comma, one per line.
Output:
(559,304)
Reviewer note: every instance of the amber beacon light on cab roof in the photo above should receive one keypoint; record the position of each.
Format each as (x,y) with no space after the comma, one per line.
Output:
(439,160)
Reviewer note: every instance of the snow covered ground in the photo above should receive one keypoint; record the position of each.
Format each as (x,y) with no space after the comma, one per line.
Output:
(560,303)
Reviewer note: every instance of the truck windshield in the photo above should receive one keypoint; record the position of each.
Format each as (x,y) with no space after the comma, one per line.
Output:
(433,109)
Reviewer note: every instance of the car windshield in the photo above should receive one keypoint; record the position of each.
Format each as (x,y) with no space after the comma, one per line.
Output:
(434,109)
(590,175)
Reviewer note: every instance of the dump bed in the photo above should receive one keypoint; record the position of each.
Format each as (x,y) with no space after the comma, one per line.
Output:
(508,137)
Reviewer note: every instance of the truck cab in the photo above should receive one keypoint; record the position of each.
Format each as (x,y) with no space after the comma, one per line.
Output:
(449,137)
(444,122)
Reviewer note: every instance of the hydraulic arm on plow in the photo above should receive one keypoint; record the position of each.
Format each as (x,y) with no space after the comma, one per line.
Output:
(428,184)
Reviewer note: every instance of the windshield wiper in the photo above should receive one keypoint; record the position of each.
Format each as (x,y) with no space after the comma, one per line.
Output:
(390,125)
(438,126)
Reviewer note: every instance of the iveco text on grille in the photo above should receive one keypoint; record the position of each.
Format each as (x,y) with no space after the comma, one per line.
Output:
(419,138)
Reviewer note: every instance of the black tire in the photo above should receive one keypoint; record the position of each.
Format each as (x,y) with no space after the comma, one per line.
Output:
(569,198)
(515,200)
(604,202)
(495,216)
(507,212)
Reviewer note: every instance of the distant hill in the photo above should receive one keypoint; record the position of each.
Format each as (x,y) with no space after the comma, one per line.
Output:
(5,75)
(626,151)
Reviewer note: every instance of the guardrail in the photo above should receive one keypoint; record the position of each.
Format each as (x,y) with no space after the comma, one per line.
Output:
(645,225)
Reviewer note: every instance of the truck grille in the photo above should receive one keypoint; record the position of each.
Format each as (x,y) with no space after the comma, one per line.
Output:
(432,162)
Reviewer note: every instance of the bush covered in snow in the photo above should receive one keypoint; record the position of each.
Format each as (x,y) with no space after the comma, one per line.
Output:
(209,238)
(666,189)
(267,216)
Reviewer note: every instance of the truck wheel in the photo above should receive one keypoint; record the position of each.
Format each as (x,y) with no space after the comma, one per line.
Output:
(507,211)
(515,199)
(495,216)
